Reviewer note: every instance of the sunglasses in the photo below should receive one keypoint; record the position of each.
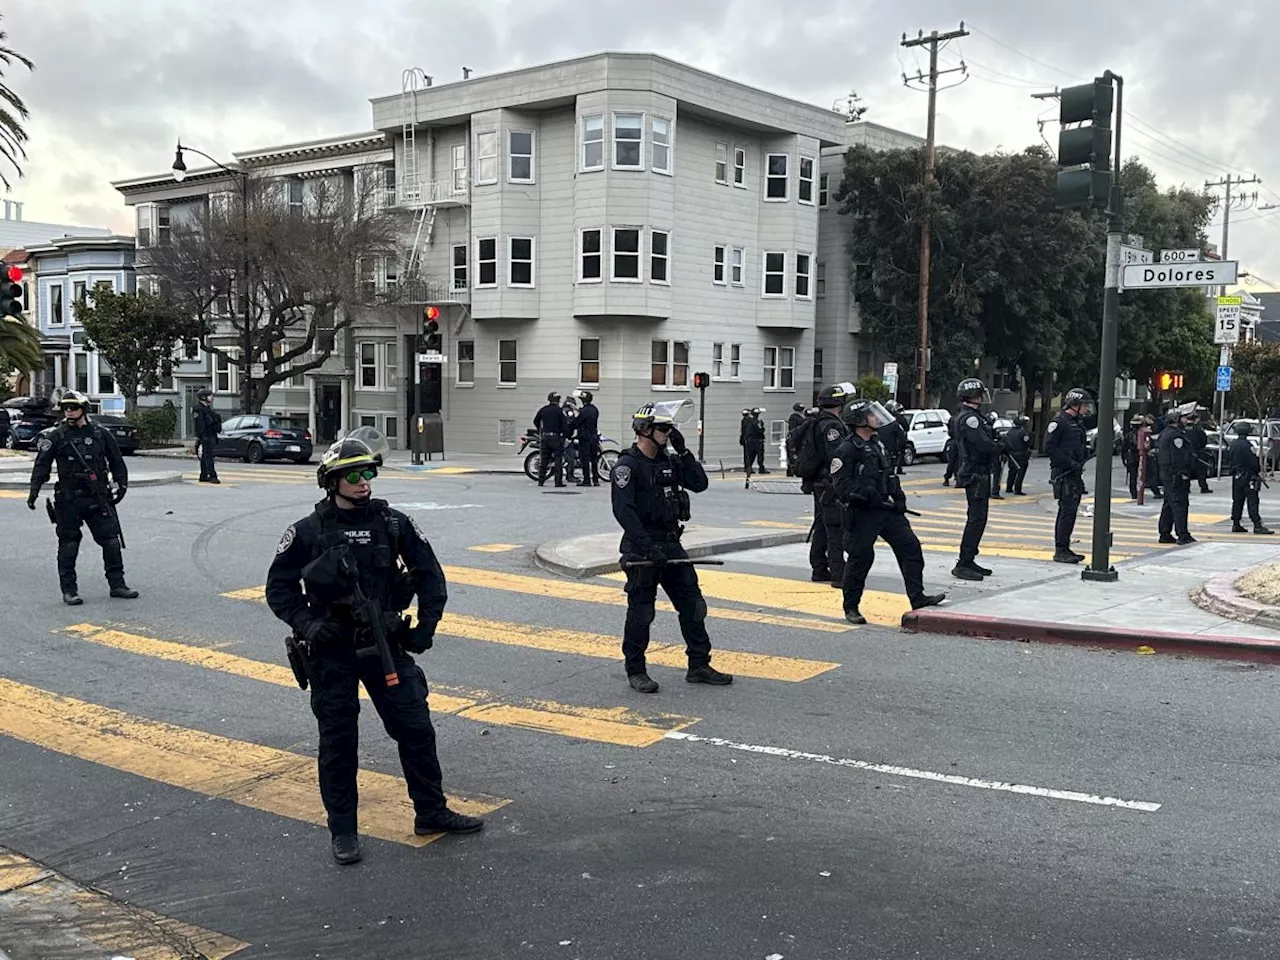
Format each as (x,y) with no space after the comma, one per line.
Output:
(72,406)
(355,476)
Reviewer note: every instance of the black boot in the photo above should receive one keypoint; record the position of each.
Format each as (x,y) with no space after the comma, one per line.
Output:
(985,571)
(1262,530)
(855,617)
(965,571)
(820,576)
(122,592)
(1238,528)
(708,674)
(927,600)
(446,821)
(71,598)
(1063,555)
(642,683)
(346,848)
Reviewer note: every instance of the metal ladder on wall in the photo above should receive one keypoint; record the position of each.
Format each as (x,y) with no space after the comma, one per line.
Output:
(410,184)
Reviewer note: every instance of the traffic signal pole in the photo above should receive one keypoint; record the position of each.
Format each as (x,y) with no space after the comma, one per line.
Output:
(1100,568)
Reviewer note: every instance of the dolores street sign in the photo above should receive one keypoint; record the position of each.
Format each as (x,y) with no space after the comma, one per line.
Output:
(1204,274)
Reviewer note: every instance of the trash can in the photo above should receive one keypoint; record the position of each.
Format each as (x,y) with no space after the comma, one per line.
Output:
(428,436)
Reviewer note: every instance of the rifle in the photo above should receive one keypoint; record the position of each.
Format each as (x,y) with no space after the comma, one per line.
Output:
(101,492)
(369,614)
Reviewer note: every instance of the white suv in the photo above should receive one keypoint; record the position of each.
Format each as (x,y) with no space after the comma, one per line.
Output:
(926,434)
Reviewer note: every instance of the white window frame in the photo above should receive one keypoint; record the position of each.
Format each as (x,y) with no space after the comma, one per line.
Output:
(766,273)
(638,255)
(512,261)
(664,258)
(809,180)
(717,361)
(57,318)
(824,190)
(458,163)
(470,361)
(460,271)
(738,266)
(740,167)
(295,186)
(771,178)
(512,156)
(583,164)
(719,264)
(231,373)
(508,384)
(820,279)
(582,361)
(481,262)
(817,364)
(733,362)
(639,165)
(805,258)
(722,163)
(657,148)
(486,152)
(367,365)
(670,365)
(76,358)
(779,361)
(598,254)
(99,361)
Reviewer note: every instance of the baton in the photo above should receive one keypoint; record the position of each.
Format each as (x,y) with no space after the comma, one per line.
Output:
(632,564)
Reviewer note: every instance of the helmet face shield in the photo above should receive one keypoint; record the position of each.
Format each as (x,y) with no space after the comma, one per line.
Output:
(673,412)
(866,413)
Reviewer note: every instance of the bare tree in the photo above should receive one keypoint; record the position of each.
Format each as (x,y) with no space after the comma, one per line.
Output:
(264,274)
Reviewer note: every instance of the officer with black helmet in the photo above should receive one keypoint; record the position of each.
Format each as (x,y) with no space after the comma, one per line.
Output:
(1018,439)
(1067,448)
(85,455)
(392,562)
(1198,437)
(651,504)
(793,421)
(587,430)
(1246,480)
(751,439)
(1176,470)
(826,543)
(208,425)
(893,436)
(976,451)
(864,483)
(549,421)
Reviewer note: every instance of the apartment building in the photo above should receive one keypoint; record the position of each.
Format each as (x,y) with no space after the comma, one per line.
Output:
(613,223)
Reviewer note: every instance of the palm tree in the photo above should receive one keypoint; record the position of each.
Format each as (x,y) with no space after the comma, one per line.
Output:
(20,345)
(12,112)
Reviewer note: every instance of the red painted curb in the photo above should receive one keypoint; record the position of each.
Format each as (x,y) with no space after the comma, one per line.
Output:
(998,628)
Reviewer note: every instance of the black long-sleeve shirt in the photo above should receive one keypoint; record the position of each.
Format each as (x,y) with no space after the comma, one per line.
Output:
(59,445)
(644,489)
(550,419)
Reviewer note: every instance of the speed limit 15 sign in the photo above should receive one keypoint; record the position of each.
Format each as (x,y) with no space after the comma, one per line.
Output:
(1228,326)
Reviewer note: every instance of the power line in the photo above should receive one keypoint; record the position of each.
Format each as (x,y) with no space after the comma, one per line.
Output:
(1027,56)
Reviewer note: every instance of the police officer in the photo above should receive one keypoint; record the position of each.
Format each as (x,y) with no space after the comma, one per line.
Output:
(1154,425)
(864,482)
(1129,454)
(587,430)
(550,423)
(570,410)
(1199,439)
(208,425)
(997,467)
(85,454)
(651,503)
(751,439)
(1246,480)
(1018,440)
(952,449)
(976,450)
(1176,470)
(348,523)
(793,421)
(826,542)
(1067,448)
(893,436)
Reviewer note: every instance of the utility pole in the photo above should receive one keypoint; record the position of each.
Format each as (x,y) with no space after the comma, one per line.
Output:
(932,41)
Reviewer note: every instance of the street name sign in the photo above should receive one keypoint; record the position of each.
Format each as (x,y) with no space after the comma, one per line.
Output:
(1138,276)
(1180,256)
(1135,255)
(1228,326)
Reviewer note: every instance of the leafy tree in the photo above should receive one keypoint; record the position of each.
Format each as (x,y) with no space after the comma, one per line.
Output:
(1255,378)
(871,387)
(20,345)
(260,274)
(12,112)
(137,333)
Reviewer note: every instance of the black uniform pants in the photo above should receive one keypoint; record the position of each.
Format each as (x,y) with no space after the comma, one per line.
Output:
(208,466)
(680,583)
(1202,473)
(589,459)
(551,447)
(753,454)
(1068,491)
(1173,513)
(1244,490)
(336,677)
(953,461)
(860,540)
(997,473)
(826,545)
(1017,473)
(1131,474)
(978,496)
(73,512)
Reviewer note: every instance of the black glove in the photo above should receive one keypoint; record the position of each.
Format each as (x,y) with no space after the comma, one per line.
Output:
(420,638)
(676,439)
(320,630)
(119,494)
(31,500)
(654,553)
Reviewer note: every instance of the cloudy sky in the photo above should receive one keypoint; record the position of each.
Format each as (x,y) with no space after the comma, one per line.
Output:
(118,81)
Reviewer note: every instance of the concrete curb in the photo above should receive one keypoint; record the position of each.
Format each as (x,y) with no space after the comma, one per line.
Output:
(556,556)
(1220,596)
(958,624)
(157,480)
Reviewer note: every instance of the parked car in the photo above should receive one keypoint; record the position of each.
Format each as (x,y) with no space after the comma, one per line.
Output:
(27,417)
(926,434)
(1091,436)
(127,437)
(1273,442)
(256,437)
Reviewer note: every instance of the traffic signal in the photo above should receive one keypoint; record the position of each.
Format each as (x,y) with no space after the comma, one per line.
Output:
(1084,151)
(432,341)
(1169,380)
(701,380)
(11,304)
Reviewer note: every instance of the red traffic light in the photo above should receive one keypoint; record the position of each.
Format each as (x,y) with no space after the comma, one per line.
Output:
(431,313)
(14,273)
(701,380)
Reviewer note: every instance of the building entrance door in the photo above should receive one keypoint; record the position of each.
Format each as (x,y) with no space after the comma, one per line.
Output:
(329,414)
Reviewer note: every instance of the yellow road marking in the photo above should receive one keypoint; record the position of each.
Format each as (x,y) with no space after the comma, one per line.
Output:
(56,908)
(249,774)
(240,478)
(602,724)
(780,524)
(605,647)
(495,547)
(1210,518)
(13,494)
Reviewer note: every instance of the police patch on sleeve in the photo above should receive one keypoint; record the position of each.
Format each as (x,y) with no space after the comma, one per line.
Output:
(1177,442)
(43,445)
(971,422)
(836,464)
(621,475)
(833,434)
(1053,426)
(286,541)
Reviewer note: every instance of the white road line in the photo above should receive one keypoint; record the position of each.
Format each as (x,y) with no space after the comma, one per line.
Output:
(1048,793)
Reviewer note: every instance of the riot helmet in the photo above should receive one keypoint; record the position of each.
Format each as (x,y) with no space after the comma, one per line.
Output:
(346,457)
(1244,428)
(204,393)
(586,396)
(894,407)
(797,407)
(1184,411)
(73,400)
(835,396)
(972,390)
(865,413)
(661,416)
(553,397)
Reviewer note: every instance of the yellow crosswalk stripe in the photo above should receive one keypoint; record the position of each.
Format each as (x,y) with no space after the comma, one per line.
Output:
(605,647)
(248,774)
(56,909)
(494,547)
(13,494)
(602,724)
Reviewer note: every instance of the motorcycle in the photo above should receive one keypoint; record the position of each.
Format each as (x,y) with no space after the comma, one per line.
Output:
(609,454)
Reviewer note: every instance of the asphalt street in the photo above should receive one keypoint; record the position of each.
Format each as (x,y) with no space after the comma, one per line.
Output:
(855,792)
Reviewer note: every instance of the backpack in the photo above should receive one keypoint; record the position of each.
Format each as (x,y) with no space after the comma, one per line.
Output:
(810,451)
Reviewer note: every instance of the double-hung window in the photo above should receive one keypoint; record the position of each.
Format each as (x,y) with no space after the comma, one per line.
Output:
(775,274)
(804,277)
(628,141)
(507,363)
(589,361)
(590,256)
(669,363)
(777,172)
(487,157)
(487,262)
(736,266)
(520,262)
(717,271)
(626,254)
(659,256)
(593,142)
(459,266)
(661,145)
(722,163)
(805,193)
(779,368)
(466,363)
(520,156)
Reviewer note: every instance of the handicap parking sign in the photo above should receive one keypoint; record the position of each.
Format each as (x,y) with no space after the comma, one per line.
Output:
(1224,379)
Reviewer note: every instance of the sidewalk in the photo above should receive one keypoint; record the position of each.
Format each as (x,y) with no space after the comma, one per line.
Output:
(598,554)
(494,463)
(15,472)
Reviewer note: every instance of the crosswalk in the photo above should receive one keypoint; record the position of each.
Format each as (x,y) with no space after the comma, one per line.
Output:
(233,475)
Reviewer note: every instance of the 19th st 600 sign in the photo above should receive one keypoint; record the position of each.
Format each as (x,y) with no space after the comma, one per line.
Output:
(1204,274)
